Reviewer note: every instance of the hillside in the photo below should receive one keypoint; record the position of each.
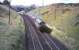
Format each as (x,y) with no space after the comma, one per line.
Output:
(64,20)
(11,35)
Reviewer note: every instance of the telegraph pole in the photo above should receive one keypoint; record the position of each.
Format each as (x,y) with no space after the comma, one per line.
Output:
(7,3)
(55,11)
(9,12)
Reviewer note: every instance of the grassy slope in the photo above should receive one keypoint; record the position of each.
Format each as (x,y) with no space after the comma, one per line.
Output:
(64,23)
(11,35)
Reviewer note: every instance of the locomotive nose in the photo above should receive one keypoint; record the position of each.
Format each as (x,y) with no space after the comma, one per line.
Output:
(45,28)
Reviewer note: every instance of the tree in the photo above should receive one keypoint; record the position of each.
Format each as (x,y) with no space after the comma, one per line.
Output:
(6,2)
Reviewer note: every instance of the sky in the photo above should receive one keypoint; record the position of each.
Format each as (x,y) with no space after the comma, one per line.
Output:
(40,2)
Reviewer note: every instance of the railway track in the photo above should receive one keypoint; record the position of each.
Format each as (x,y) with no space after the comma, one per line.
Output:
(40,41)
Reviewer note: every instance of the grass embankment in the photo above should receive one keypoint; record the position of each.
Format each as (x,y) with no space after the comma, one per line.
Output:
(65,23)
(11,35)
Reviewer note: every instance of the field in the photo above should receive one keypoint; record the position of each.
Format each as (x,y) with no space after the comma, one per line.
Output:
(64,21)
(11,34)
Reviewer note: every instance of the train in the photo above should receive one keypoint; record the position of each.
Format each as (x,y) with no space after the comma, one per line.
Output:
(42,26)
(39,23)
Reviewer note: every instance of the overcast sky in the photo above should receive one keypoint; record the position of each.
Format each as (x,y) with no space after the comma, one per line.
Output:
(39,2)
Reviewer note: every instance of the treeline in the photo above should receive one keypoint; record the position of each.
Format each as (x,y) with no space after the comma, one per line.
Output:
(23,8)
(18,7)
(5,2)
(66,4)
